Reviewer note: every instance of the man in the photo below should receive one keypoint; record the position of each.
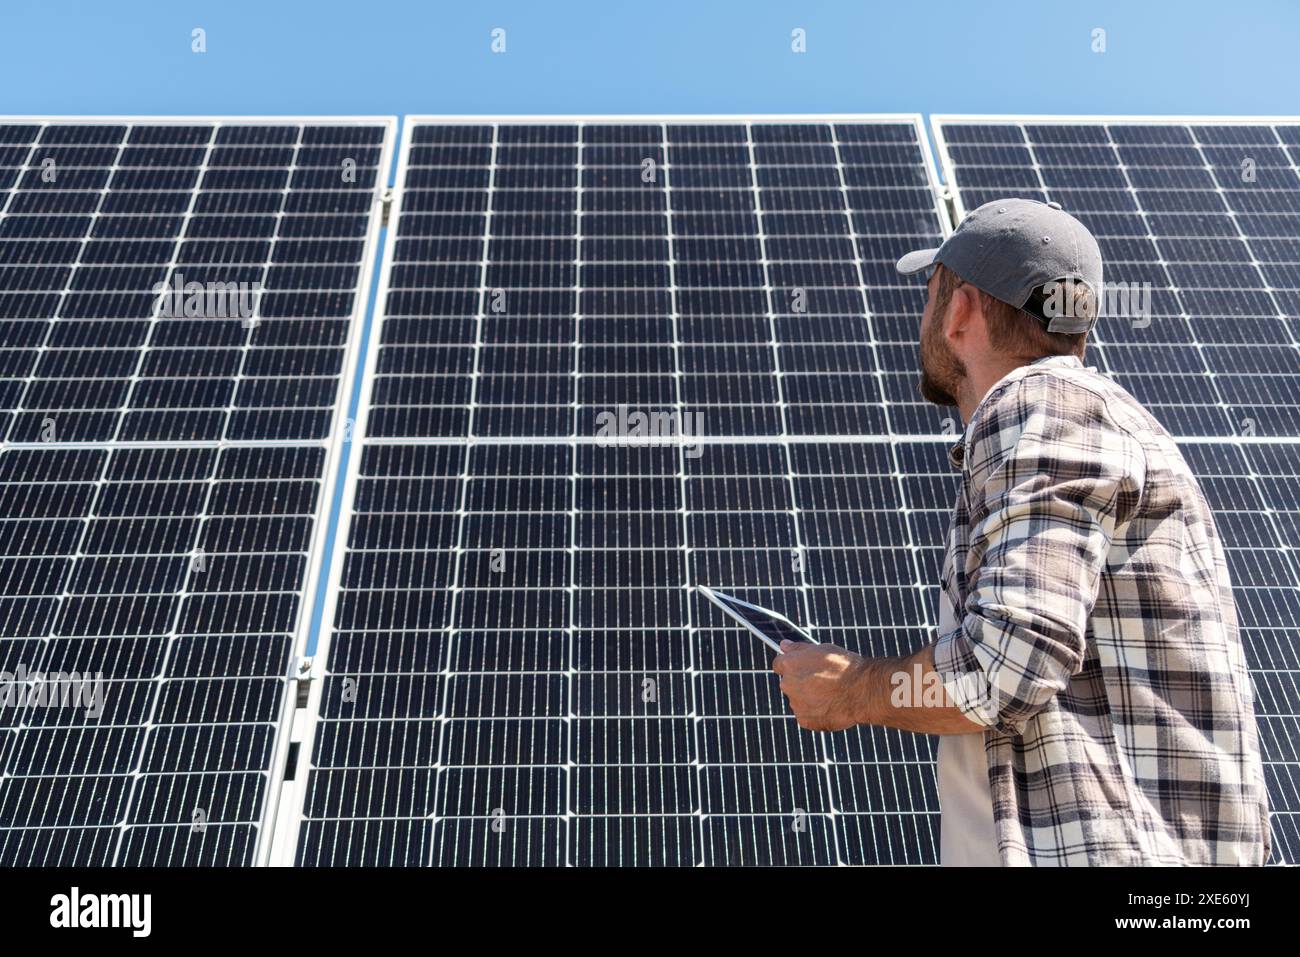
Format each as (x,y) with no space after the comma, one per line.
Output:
(1091,690)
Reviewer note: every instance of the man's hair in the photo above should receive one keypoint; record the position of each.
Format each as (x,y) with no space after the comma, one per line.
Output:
(1012,330)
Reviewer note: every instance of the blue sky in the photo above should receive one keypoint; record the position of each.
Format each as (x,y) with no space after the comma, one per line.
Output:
(613,56)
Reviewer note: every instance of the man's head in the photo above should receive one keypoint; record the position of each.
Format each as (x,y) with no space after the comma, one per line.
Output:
(1016,281)
(963,324)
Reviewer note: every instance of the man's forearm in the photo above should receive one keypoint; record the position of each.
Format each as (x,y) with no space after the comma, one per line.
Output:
(907,693)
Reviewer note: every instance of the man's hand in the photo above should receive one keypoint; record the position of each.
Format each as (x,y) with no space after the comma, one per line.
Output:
(825,685)
(831,689)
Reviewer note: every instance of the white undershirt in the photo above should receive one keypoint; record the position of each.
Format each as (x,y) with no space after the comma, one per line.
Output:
(966,834)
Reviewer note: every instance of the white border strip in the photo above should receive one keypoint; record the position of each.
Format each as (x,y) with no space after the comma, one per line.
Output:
(655,119)
(939,120)
(300,723)
(939,187)
(1107,119)
(55,119)
(340,433)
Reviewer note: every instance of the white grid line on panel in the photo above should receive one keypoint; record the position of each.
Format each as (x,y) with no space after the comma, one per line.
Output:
(569,769)
(828,783)
(693,707)
(456,590)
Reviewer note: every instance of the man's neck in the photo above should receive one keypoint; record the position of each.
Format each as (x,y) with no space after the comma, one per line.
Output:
(972,389)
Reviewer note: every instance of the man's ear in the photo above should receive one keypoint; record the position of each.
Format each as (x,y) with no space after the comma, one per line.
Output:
(964,314)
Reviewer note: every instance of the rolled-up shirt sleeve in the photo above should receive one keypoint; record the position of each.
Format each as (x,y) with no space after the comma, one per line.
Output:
(1050,476)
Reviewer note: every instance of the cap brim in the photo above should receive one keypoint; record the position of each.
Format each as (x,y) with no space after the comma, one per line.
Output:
(915,262)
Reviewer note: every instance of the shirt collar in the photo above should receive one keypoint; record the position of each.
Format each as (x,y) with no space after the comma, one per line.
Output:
(957,453)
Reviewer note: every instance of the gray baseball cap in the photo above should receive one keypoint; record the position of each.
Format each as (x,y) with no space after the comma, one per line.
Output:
(1031,255)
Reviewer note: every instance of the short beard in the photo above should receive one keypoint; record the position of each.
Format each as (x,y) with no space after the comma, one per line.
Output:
(941,370)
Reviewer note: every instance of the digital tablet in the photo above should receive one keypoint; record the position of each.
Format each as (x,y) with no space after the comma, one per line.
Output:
(769,627)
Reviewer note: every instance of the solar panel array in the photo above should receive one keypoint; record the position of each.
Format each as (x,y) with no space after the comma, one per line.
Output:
(612,360)
(515,671)
(1207,217)
(179,300)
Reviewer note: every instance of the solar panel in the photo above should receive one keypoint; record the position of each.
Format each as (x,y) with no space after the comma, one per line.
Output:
(1200,217)
(612,359)
(646,250)
(180,302)
(516,668)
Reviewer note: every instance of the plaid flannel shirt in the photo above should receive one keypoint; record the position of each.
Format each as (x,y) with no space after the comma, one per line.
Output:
(1098,637)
